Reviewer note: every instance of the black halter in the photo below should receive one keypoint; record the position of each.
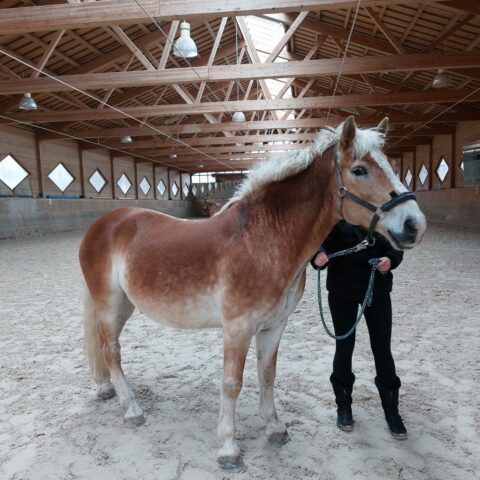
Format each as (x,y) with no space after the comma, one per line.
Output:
(379,212)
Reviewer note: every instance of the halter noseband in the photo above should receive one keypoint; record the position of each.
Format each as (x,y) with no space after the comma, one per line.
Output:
(379,212)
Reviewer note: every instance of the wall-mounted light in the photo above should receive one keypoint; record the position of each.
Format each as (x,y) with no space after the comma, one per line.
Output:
(126,139)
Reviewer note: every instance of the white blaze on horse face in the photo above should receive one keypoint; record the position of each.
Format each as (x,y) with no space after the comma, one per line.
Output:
(393,225)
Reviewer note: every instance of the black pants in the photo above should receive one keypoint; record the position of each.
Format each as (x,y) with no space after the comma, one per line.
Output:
(379,323)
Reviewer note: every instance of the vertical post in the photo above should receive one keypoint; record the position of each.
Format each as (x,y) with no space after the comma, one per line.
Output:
(82,173)
(414,167)
(135,176)
(112,175)
(181,186)
(430,165)
(401,167)
(453,161)
(154,176)
(38,153)
(169,190)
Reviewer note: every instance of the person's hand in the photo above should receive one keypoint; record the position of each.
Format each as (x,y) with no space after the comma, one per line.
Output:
(321,259)
(384,265)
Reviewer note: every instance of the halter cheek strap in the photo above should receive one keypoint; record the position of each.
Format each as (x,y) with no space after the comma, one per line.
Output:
(379,212)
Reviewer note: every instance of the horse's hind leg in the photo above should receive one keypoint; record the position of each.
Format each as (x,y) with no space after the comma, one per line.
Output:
(267,342)
(110,317)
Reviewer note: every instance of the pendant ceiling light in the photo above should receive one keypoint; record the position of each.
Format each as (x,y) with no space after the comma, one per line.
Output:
(441,79)
(27,102)
(185,46)
(237,117)
(126,139)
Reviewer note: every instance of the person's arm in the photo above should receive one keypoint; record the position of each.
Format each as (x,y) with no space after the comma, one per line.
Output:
(320,259)
(395,256)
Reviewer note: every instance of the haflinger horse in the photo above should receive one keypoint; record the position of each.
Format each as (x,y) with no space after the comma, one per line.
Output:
(242,270)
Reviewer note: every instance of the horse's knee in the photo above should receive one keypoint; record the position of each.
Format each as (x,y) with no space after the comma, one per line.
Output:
(232,387)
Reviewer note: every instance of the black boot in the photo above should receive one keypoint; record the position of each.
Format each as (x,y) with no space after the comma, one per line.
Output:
(343,398)
(389,397)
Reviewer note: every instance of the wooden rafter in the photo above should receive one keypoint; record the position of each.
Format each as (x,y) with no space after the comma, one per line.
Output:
(127,12)
(308,68)
(312,103)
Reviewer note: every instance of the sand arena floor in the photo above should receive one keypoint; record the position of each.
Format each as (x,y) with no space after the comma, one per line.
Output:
(51,426)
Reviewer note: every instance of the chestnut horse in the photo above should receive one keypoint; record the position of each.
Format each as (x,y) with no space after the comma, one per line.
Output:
(243,270)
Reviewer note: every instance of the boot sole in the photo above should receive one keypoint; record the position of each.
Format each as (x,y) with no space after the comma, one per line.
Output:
(345,428)
(399,436)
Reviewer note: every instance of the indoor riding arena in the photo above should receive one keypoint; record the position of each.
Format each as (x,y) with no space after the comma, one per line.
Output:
(182,165)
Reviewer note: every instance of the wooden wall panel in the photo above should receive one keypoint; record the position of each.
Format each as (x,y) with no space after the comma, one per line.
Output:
(124,165)
(93,160)
(175,178)
(54,152)
(161,174)
(422,152)
(21,145)
(442,147)
(407,165)
(467,133)
(144,170)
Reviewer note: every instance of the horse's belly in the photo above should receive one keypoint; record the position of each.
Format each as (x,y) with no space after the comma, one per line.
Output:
(200,312)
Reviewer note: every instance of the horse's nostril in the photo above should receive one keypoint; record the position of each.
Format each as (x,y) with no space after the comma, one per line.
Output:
(410,228)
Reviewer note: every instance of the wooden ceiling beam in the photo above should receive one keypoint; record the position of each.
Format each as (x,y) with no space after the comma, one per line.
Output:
(307,68)
(310,103)
(163,142)
(195,128)
(14,21)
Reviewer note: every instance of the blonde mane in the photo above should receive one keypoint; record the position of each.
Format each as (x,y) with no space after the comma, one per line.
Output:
(288,164)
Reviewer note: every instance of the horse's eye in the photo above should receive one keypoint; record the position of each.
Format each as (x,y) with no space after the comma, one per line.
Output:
(359,171)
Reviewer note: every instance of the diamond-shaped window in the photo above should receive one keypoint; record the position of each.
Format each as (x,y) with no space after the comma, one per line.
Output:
(442,170)
(145,186)
(124,184)
(408,178)
(61,177)
(161,187)
(202,188)
(97,181)
(423,174)
(194,190)
(185,190)
(462,166)
(175,189)
(12,174)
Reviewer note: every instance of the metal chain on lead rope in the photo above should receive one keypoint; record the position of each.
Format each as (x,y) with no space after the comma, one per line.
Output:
(367,301)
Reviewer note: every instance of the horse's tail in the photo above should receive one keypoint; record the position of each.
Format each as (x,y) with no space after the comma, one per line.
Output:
(93,348)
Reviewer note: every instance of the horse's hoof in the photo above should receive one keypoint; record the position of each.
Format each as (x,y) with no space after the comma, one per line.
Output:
(106,394)
(135,421)
(232,463)
(278,438)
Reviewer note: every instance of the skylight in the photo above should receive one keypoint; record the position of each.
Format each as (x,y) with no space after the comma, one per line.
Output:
(266,34)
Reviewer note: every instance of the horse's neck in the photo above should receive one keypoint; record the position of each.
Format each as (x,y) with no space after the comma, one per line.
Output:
(298,212)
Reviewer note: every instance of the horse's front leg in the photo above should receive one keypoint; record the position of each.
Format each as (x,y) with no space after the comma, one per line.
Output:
(267,347)
(236,341)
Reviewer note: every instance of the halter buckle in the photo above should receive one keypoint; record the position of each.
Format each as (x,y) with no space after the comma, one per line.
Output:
(363,244)
(342,191)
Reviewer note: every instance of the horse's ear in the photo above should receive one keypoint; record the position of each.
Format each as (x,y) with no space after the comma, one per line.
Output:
(348,132)
(382,127)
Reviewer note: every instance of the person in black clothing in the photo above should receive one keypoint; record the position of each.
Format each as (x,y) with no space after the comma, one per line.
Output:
(347,281)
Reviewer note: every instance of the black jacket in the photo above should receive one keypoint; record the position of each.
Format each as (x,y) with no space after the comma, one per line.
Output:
(348,276)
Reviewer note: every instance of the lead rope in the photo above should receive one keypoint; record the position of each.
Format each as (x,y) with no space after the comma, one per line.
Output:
(367,301)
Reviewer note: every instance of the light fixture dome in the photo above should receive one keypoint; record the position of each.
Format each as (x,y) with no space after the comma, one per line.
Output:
(441,79)
(27,102)
(173,155)
(238,117)
(126,139)
(185,46)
